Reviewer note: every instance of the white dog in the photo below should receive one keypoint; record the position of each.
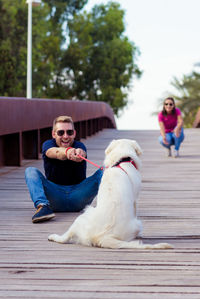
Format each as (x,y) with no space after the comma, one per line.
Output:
(113,222)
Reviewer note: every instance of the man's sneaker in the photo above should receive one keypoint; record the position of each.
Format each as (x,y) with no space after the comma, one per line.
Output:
(176,154)
(43,213)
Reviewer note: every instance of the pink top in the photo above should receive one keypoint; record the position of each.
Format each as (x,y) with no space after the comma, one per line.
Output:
(169,120)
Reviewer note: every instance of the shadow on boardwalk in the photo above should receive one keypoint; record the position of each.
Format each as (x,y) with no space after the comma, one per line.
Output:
(32,267)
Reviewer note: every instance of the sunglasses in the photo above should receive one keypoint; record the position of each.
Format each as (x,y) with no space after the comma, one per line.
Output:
(168,104)
(62,132)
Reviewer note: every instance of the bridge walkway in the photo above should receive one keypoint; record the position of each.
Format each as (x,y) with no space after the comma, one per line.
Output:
(32,267)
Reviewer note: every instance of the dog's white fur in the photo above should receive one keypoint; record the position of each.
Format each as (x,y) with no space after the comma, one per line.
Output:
(113,222)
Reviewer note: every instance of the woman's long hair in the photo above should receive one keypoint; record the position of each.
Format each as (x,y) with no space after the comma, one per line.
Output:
(164,112)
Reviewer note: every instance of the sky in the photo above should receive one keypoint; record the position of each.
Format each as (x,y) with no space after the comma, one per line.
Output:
(167,34)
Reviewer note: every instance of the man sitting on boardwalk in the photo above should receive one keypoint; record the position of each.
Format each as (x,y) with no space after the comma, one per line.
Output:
(65,187)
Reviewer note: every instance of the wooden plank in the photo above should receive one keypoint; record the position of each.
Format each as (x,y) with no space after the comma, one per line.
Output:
(32,267)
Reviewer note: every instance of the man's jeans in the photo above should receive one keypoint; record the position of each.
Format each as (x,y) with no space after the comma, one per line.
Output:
(172,140)
(61,198)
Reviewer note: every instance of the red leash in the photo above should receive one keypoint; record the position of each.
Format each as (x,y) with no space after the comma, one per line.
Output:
(132,162)
(91,162)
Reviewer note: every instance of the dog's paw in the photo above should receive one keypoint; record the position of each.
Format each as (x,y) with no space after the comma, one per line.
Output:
(166,246)
(139,233)
(163,246)
(53,237)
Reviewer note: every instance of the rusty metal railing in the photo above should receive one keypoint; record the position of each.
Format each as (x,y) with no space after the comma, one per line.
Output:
(26,123)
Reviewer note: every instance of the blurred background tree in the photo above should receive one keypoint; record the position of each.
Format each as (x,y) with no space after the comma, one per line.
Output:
(100,61)
(188,96)
(48,39)
(76,54)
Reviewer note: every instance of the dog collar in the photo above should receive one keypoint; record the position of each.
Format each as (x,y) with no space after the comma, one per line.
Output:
(125,160)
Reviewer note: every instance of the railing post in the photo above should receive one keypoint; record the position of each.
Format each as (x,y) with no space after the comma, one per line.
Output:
(44,135)
(30,144)
(77,127)
(2,158)
(12,148)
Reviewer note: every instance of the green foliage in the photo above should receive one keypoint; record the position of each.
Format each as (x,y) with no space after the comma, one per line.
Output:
(188,98)
(61,10)
(12,41)
(13,45)
(74,55)
(47,35)
(99,61)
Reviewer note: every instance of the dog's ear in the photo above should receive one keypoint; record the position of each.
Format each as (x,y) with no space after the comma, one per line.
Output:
(136,147)
(110,147)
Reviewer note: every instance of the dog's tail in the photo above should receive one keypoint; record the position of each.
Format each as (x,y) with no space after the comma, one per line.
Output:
(111,242)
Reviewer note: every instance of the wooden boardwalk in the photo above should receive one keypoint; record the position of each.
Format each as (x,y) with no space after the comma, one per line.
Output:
(32,267)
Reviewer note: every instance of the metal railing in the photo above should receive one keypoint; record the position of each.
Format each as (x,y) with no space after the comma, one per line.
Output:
(26,123)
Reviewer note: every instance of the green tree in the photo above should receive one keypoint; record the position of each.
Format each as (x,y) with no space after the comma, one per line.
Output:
(75,55)
(62,10)
(12,42)
(13,47)
(188,96)
(48,38)
(100,61)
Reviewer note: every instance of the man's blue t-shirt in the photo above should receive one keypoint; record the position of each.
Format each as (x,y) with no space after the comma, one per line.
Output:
(65,172)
